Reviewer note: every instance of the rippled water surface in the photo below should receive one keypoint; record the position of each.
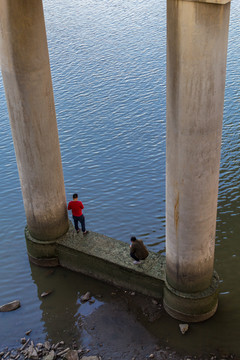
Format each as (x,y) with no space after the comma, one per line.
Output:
(108,61)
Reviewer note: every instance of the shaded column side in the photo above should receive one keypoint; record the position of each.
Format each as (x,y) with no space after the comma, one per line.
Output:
(28,87)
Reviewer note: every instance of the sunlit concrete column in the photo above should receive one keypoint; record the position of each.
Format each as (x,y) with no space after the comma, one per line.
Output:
(197,37)
(28,87)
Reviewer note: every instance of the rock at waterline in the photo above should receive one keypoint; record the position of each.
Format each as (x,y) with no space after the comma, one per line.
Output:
(61,353)
(49,356)
(46,293)
(32,353)
(71,355)
(90,358)
(10,306)
(183,328)
(85,297)
(47,345)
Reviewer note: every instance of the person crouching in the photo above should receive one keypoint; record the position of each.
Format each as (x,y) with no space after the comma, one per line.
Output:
(138,250)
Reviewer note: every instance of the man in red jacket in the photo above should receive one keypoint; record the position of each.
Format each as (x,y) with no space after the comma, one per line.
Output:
(77,207)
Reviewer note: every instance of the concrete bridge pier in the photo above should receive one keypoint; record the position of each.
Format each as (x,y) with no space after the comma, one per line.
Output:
(197,37)
(28,87)
(196,66)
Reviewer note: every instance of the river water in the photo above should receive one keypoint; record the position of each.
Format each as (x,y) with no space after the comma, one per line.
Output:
(108,62)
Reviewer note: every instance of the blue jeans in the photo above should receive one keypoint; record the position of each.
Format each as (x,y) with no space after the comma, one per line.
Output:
(80,219)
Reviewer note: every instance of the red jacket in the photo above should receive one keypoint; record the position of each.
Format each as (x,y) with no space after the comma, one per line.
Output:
(76,207)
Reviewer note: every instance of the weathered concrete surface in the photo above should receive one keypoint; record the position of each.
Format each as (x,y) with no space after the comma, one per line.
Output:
(102,258)
(192,307)
(196,67)
(218,2)
(197,38)
(107,259)
(28,87)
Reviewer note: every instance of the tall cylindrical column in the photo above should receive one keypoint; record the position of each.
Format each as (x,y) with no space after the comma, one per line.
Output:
(28,87)
(197,36)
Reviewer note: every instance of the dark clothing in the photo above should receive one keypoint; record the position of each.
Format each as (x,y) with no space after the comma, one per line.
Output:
(76,207)
(138,250)
(134,257)
(80,219)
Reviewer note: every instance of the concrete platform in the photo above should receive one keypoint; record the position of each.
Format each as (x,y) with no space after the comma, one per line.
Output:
(102,258)
(108,260)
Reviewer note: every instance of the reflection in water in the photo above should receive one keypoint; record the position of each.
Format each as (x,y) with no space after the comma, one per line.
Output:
(112,323)
(62,311)
(116,316)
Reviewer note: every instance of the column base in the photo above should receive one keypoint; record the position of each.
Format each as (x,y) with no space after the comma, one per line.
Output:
(193,307)
(42,253)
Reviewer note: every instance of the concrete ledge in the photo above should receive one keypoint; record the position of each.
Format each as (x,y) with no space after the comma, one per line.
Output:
(108,260)
(102,258)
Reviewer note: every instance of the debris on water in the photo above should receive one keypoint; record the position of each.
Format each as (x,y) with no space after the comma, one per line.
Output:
(85,297)
(183,328)
(24,345)
(46,293)
(13,305)
(28,332)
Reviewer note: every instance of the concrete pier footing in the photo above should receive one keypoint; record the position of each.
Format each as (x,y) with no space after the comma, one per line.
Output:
(102,258)
(192,307)
(108,260)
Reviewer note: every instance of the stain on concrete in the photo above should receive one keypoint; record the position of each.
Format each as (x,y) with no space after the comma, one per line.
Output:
(176,213)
